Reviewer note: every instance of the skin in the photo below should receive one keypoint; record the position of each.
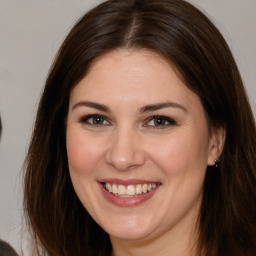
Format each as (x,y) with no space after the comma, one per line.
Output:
(128,144)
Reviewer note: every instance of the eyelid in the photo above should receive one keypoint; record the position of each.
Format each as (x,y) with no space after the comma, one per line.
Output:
(85,119)
(171,121)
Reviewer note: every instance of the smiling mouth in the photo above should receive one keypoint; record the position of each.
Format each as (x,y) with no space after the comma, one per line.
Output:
(129,190)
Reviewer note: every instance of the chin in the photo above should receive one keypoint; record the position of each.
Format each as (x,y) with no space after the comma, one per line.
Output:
(130,230)
(129,235)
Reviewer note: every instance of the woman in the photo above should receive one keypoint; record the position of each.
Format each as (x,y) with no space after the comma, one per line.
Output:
(144,141)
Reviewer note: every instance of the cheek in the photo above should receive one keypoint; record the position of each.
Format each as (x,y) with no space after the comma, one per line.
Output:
(182,152)
(82,153)
(82,161)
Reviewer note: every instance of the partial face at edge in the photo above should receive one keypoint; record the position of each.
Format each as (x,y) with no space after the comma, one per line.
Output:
(135,128)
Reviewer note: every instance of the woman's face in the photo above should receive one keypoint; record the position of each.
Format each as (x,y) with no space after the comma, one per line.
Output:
(138,146)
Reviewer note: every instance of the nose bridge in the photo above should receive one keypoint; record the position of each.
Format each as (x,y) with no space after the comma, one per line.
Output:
(124,152)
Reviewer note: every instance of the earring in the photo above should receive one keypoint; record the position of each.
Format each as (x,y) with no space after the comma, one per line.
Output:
(217,163)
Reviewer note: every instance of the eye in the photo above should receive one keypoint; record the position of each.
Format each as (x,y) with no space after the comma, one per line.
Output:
(95,120)
(160,122)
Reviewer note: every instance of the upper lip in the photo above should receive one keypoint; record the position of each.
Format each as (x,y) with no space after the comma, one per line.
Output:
(127,182)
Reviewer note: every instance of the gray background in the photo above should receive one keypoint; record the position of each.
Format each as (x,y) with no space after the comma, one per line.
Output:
(30,34)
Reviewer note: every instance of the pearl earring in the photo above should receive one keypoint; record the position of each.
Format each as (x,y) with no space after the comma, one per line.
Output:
(217,163)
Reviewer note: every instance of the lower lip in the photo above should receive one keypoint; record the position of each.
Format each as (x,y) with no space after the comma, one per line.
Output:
(127,201)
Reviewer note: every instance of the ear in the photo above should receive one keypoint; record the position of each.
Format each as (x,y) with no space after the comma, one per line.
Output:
(216,145)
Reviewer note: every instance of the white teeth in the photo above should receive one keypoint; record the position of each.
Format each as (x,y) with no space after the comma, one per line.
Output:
(121,190)
(138,189)
(145,188)
(108,187)
(130,190)
(114,188)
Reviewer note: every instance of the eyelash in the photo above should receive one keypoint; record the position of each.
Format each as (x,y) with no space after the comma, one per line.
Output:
(163,121)
(94,118)
(167,122)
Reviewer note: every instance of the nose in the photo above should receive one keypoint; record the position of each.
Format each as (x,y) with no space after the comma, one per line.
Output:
(125,152)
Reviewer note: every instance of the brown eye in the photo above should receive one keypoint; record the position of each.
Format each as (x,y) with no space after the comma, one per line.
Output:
(95,120)
(160,121)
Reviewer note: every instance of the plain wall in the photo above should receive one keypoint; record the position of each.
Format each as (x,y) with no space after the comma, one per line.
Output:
(30,33)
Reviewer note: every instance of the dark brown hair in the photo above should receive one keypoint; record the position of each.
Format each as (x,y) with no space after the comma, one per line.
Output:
(182,34)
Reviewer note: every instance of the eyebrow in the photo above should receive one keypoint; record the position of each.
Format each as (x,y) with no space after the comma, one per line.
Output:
(147,108)
(90,104)
(154,107)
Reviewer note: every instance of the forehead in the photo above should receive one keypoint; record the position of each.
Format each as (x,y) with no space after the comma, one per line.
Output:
(132,60)
(126,69)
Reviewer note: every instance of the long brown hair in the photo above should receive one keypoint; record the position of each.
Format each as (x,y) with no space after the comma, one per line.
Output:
(60,225)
